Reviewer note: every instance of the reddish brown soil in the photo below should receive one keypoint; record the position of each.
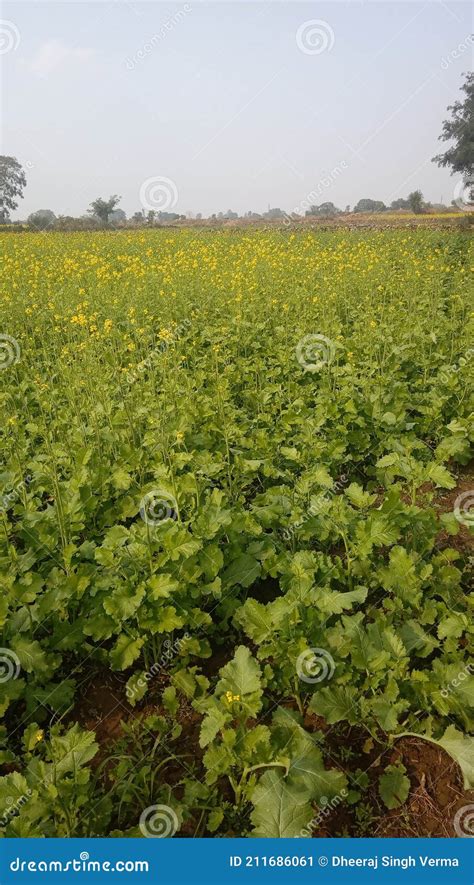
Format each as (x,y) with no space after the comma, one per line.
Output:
(445,503)
(102,706)
(435,796)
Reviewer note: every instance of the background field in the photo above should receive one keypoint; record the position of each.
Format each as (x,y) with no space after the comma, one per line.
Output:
(235,531)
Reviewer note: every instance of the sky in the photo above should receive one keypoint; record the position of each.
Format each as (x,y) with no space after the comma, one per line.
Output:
(203,107)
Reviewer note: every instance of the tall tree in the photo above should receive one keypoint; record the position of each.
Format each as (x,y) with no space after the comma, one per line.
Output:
(459,129)
(12,182)
(41,219)
(103,208)
(415,202)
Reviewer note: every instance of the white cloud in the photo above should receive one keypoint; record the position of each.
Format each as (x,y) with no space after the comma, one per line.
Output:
(54,54)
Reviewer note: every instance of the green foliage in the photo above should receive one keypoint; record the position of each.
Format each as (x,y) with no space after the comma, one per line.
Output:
(298,517)
(460,131)
(394,786)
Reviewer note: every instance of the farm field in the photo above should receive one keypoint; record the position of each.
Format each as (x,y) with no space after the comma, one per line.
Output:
(236,491)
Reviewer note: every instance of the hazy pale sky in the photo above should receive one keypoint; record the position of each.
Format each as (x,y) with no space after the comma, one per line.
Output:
(237,104)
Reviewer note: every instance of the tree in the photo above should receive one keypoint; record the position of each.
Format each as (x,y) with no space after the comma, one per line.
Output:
(41,219)
(12,182)
(103,208)
(415,202)
(368,205)
(460,130)
(400,204)
(328,209)
(117,216)
(271,214)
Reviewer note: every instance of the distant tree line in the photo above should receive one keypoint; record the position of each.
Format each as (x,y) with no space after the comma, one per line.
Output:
(106,214)
(458,130)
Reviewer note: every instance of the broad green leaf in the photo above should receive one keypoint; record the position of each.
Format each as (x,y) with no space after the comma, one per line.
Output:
(125,651)
(279,811)
(168,620)
(358,497)
(214,820)
(214,720)
(162,585)
(32,657)
(336,703)
(441,477)
(244,571)
(394,786)
(308,774)
(72,750)
(240,681)
(13,789)
(255,619)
